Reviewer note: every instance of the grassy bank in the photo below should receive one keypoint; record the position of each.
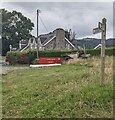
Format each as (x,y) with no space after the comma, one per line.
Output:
(67,91)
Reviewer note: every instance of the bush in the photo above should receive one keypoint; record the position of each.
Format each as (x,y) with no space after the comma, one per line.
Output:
(12,57)
(25,57)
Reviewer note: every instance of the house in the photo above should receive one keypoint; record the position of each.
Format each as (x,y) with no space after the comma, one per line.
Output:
(55,40)
(98,46)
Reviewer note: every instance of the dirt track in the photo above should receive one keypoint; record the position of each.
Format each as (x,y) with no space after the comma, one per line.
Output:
(6,69)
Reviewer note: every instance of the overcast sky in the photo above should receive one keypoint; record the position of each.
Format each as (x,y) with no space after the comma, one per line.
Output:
(81,17)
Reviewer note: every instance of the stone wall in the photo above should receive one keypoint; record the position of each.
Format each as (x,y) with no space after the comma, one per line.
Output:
(51,45)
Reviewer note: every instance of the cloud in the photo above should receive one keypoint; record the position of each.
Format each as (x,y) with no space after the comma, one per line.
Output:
(81,17)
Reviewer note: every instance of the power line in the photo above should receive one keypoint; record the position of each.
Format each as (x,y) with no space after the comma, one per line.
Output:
(43,24)
(34,18)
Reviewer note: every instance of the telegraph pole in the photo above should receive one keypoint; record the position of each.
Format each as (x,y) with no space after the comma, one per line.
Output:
(38,11)
(102,28)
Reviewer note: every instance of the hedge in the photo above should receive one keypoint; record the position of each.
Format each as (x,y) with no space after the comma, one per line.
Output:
(27,57)
(97,52)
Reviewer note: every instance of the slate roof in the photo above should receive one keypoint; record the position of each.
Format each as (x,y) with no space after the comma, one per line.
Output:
(46,37)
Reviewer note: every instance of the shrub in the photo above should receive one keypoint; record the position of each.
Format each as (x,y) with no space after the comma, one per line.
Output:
(12,57)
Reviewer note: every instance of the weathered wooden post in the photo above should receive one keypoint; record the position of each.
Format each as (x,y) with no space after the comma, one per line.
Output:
(103,50)
(102,28)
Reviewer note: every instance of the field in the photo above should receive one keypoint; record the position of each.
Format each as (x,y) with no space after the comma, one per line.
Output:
(72,90)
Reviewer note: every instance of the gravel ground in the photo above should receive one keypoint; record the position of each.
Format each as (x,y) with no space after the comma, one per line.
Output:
(6,69)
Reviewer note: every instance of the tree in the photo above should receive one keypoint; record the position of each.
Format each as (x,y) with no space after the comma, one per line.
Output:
(15,27)
(67,34)
(70,35)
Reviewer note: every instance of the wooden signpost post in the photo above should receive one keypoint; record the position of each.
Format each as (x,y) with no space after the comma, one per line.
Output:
(102,28)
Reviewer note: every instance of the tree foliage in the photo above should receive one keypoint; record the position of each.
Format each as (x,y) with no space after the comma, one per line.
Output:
(70,35)
(15,27)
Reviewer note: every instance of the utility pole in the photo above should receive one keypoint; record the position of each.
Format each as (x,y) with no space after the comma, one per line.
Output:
(38,11)
(102,28)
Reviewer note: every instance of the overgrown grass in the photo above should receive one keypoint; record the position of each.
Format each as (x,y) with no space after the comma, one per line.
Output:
(67,91)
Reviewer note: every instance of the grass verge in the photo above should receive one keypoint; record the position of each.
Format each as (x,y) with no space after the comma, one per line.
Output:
(69,91)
